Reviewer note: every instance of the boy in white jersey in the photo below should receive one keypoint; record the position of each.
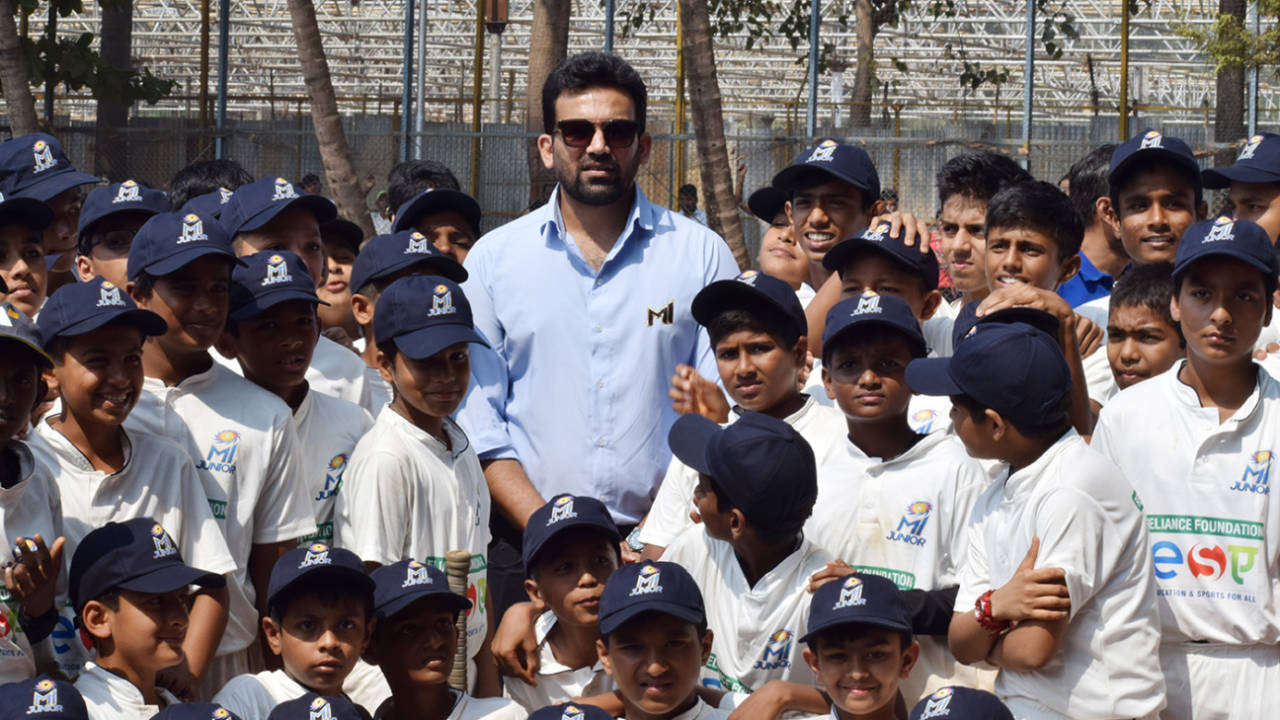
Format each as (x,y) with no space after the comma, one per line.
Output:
(414,644)
(892,502)
(319,618)
(1198,444)
(757,329)
(272,331)
(1143,341)
(94,332)
(570,550)
(414,487)
(1054,587)
(241,437)
(756,485)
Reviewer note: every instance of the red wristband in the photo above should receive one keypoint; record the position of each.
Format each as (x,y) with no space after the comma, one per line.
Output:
(982,611)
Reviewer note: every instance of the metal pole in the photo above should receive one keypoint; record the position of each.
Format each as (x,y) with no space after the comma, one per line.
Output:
(1253,73)
(224,65)
(608,25)
(495,81)
(477,88)
(678,145)
(811,121)
(1029,84)
(206,30)
(420,104)
(406,81)
(49,82)
(1124,70)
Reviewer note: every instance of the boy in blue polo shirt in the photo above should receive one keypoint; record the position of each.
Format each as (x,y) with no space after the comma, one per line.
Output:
(109,219)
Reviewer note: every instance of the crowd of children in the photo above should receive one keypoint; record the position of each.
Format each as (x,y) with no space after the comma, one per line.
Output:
(235,484)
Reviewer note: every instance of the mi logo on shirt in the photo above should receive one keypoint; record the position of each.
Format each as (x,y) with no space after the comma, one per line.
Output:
(921,421)
(938,704)
(825,152)
(562,510)
(283,190)
(317,554)
(222,453)
(277,271)
(1246,153)
(128,192)
(777,652)
(647,582)
(1152,139)
(1257,474)
(911,525)
(109,295)
(417,245)
(192,229)
(320,710)
(333,477)
(1221,230)
(666,315)
(869,303)
(42,157)
(416,575)
(45,698)
(163,543)
(850,594)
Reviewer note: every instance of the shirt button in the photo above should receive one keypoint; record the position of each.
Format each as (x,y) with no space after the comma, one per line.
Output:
(600,384)
(598,329)
(599,282)
(600,442)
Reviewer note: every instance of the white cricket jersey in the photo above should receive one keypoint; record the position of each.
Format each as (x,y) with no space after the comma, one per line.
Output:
(328,430)
(1090,524)
(335,371)
(244,446)
(805,294)
(1270,332)
(366,686)
(937,330)
(557,683)
(92,498)
(108,696)
(756,629)
(820,425)
(380,392)
(31,506)
(466,707)
(905,519)
(702,711)
(1097,368)
(254,696)
(1205,485)
(406,496)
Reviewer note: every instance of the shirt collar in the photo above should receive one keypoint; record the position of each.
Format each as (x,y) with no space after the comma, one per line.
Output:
(121,689)
(458,442)
(1088,271)
(643,215)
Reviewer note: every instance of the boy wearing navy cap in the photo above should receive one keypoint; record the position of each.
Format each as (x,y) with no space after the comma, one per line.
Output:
(342,240)
(1253,183)
(314,707)
(961,703)
(780,255)
(414,487)
(23,271)
(449,219)
(204,177)
(654,640)
(129,588)
(414,644)
(94,333)
(1054,586)
(272,331)
(195,711)
(1201,463)
(1156,194)
(34,166)
(109,219)
(859,645)
(240,437)
(319,619)
(570,550)
(41,697)
(571,711)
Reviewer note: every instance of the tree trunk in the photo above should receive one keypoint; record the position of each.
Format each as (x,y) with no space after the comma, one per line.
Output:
(1228,113)
(110,147)
(860,116)
(548,46)
(20,103)
(708,127)
(335,153)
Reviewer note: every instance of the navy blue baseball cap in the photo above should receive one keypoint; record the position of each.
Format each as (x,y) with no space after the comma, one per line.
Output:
(870,309)
(437,200)
(1012,368)
(565,512)
(42,697)
(209,204)
(641,587)
(571,711)
(316,707)
(849,163)
(79,308)
(1240,239)
(400,584)
(35,166)
(763,466)
(267,279)
(256,204)
(195,711)
(385,255)
(1150,145)
(767,202)
(107,200)
(16,326)
(967,318)
(924,264)
(170,240)
(137,555)
(19,210)
(754,292)
(1258,162)
(857,598)
(423,315)
(961,703)
(318,560)
(344,231)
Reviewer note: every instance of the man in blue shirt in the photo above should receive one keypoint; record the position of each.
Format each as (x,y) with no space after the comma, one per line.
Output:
(1102,255)
(585,303)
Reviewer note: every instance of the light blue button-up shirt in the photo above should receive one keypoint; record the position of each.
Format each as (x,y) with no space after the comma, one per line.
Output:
(576,384)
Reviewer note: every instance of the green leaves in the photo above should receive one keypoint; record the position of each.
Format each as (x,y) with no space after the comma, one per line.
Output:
(1232,45)
(74,64)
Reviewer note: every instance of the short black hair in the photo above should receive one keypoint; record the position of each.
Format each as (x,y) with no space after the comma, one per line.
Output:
(771,534)
(309,178)
(592,69)
(1043,433)
(1149,286)
(390,351)
(319,586)
(110,598)
(687,189)
(1088,181)
(1042,207)
(206,176)
(413,176)
(1126,175)
(978,175)
(144,283)
(759,320)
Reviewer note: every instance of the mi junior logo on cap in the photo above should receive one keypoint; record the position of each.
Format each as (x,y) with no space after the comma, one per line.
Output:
(442,301)
(109,295)
(1221,230)
(416,575)
(825,152)
(571,712)
(417,245)
(128,192)
(562,509)
(317,554)
(221,714)
(277,271)
(1246,152)
(938,705)
(648,582)
(283,191)
(45,698)
(192,229)
(163,543)
(42,157)
(320,710)
(869,303)
(748,277)
(877,235)
(1153,139)
(850,594)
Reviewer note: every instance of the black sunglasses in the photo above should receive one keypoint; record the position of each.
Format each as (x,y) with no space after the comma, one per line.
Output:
(618,134)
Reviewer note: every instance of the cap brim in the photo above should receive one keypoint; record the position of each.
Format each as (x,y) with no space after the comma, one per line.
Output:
(564,526)
(882,622)
(39,351)
(838,256)
(1186,163)
(187,256)
(173,576)
(932,376)
(151,324)
(425,342)
(442,265)
(614,621)
(724,295)
(318,205)
(690,438)
(767,202)
(47,188)
(919,346)
(263,303)
(360,580)
(1218,178)
(394,607)
(788,176)
(436,201)
(26,211)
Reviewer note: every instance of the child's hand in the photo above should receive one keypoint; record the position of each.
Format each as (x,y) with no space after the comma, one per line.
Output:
(834,570)
(802,377)
(1088,336)
(692,393)
(179,681)
(514,645)
(1033,593)
(33,576)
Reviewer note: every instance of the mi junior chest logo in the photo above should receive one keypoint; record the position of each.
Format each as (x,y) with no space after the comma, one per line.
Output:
(911,525)
(222,453)
(777,652)
(1257,474)
(648,582)
(333,477)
